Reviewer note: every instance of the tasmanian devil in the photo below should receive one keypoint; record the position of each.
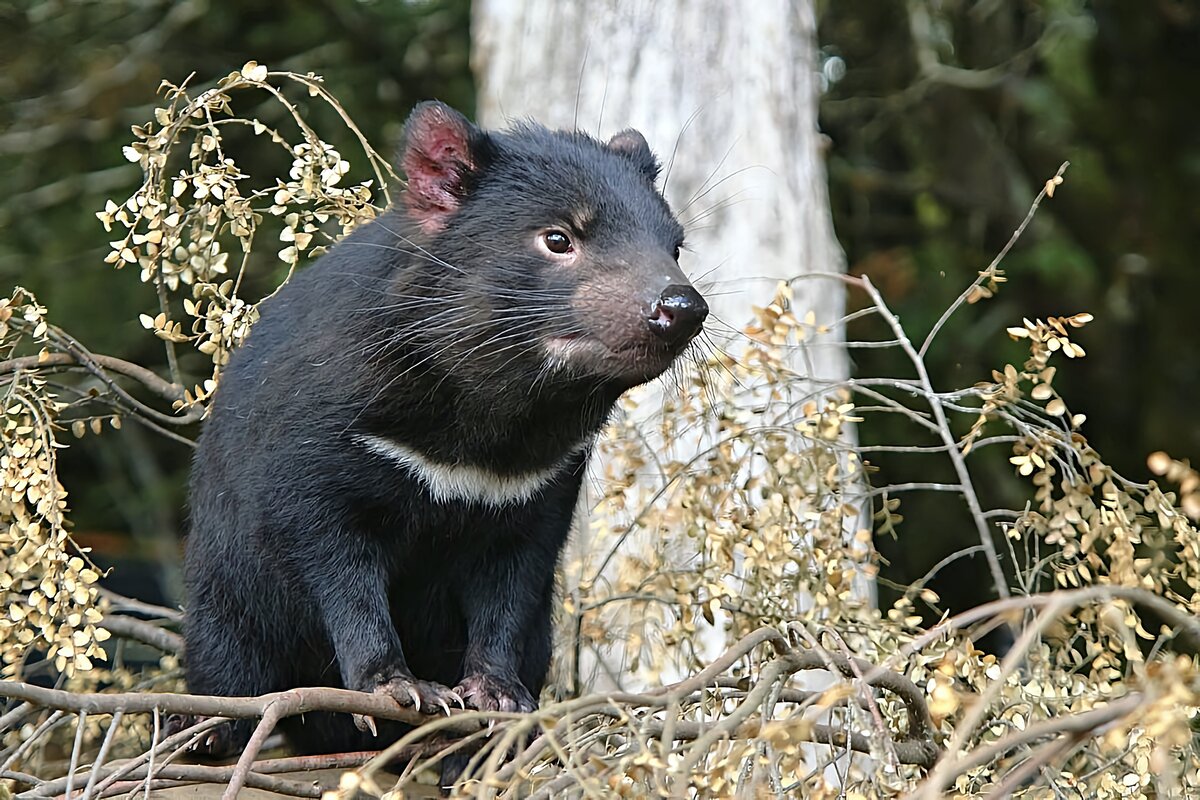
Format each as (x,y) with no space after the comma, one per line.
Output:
(388,473)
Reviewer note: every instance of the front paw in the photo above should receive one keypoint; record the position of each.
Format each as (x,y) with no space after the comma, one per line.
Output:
(220,742)
(493,693)
(411,692)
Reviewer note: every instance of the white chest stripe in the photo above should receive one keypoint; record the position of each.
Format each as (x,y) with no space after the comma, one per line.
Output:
(449,482)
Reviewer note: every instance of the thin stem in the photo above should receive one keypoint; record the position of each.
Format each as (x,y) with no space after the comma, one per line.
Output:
(988,273)
(236,781)
(164,305)
(80,726)
(947,436)
(153,745)
(109,735)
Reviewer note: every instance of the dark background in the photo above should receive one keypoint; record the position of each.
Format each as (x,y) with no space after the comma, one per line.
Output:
(930,171)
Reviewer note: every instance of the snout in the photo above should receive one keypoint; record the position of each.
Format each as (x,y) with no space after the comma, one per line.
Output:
(678,315)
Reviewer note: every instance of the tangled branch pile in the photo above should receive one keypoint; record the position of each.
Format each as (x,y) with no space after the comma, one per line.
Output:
(741,563)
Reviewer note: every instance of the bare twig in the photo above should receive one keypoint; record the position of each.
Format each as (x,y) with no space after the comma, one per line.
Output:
(100,366)
(1091,723)
(121,603)
(998,609)
(301,763)
(947,436)
(290,703)
(113,774)
(868,699)
(24,746)
(23,777)
(266,725)
(970,721)
(966,552)
(991,268)
(1044,755)
(153,746)
(142,631)
(12,718)
(80,727)
(183,774)
(921,28)
(109,735)
(127,368)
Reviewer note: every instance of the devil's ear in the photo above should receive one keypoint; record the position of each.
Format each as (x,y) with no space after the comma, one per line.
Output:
(633,146)
(442,156)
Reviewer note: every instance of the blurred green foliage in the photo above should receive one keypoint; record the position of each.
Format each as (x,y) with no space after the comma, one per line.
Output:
(75,75)
(945,117)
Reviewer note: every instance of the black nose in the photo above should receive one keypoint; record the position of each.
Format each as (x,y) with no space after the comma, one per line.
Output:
(678,315)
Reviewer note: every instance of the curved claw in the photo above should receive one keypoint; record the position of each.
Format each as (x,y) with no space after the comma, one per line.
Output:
(416,698)
(365,723)
(458,699)
(445,708)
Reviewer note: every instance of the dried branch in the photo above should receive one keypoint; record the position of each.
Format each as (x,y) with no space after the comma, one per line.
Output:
(20,750)
(1090,723)
(991,268)
(165,747)
(13,718)
(953,453)
(95,773)
(920,24)
(121,604)
(76,355)
(266,725)
(143,631)
(289,703)
(999,609)
(1044,755)
(21,777)
(978,711)
(182,774)
(915,748)
(80,727)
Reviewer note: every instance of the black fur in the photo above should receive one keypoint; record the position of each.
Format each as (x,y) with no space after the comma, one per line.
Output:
(315,561)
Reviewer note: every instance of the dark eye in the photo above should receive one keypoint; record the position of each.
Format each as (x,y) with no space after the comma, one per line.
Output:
(675,253)
(557,242)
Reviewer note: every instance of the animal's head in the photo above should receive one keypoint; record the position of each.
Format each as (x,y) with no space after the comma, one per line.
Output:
(572,250)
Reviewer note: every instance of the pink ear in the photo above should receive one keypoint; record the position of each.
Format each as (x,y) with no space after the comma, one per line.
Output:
(632,145)
(440,157)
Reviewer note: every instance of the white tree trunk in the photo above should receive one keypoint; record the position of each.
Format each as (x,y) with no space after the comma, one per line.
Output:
(726,94)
